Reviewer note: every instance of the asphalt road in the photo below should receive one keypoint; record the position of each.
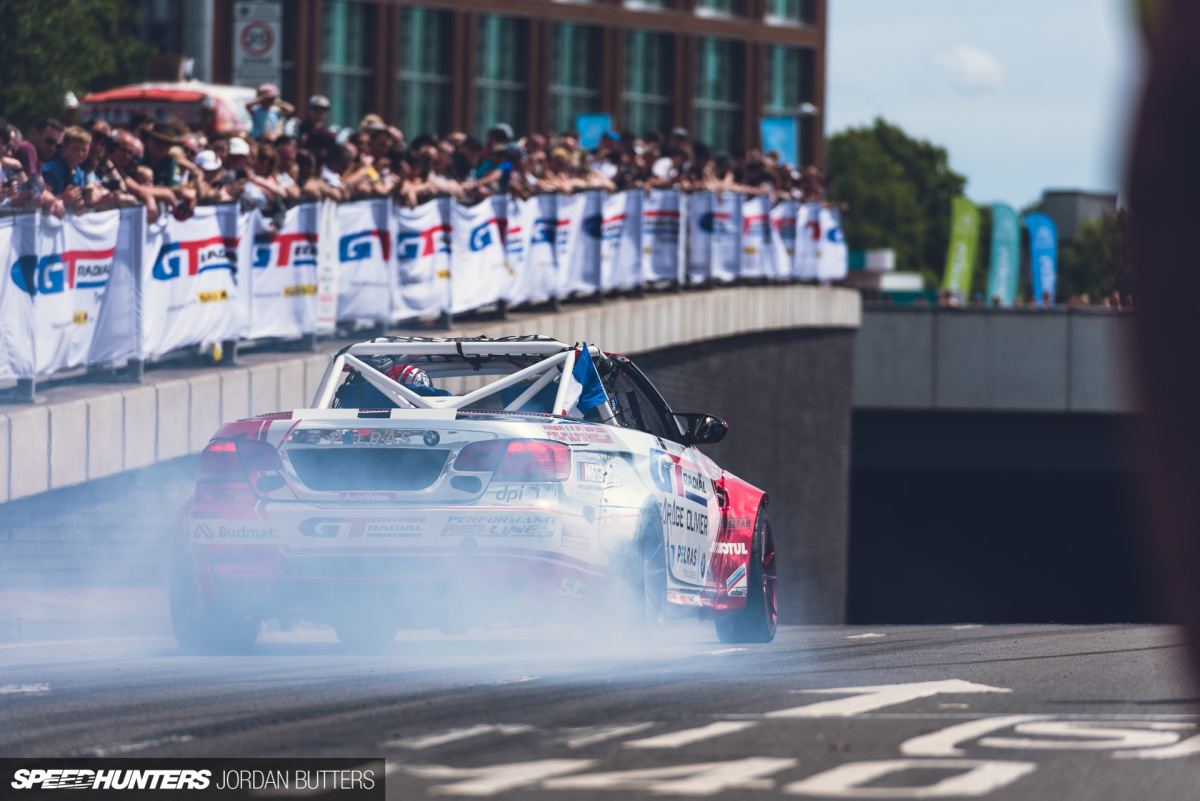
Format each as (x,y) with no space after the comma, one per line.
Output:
(998,712)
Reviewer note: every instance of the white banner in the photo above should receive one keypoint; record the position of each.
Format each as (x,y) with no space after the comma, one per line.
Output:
(327,268)
(756,238)
(700,236)
(283,274)
(422,272)
(518,220)
(541,277)
(364,253)
(189,284)
(579,232)
(783,239)
(621,240)
(479,275)
(663,239)
(18,256)
(808,241)
(726,236)
(833,260)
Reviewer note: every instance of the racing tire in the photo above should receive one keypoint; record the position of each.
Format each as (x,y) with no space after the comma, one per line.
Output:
(756,622)
(198,628)
(643,580)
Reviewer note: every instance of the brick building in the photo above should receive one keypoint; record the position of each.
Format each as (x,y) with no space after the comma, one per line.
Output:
(713,66)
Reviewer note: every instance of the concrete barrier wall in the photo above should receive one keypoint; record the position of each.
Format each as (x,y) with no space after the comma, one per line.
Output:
(993,360)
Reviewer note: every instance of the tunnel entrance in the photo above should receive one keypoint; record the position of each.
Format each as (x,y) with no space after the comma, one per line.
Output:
(994,518)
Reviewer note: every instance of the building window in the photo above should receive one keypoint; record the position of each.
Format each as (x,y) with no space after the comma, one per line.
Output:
(718,8)
(347,39)
(574,73)
(788,72)
(646,100)
(499,72)
(797,12)
(424,77)
(718,89)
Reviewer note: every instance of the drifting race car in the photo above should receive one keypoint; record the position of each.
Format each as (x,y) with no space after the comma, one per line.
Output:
(455,482)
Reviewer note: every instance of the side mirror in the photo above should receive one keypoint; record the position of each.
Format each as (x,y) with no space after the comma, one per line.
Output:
(703,429)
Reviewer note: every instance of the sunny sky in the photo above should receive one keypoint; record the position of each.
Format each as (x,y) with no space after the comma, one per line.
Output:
(1025,95)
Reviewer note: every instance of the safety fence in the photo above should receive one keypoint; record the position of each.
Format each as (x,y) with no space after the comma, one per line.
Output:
(109,287)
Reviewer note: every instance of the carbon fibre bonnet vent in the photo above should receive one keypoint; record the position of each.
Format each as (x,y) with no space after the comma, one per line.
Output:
(375,469)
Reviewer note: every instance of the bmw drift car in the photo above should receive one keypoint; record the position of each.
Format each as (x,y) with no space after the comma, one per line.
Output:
(458,482)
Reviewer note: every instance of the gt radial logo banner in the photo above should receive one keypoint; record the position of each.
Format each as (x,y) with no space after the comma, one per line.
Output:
(833,259)
(700,236)
(621,240)
(190,280)
(808,242)
(283,274)
(364,256)
(421,286)
(755,247)
(663,240)
(783,238)
(66,273)
(727,236)
(525,233)
(579,231)
(480,275)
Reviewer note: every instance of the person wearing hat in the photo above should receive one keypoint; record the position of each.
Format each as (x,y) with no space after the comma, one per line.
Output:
(159,141)
(267,110)
(314,116)
(210,181)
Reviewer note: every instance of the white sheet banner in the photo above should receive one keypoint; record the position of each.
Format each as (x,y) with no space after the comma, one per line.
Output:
(518,220)
(364,254)
(422,269)
(757,259)
(541,277)
(621,240)
(833,260)
(327,268)
(808,241)
(283,274)
(479,275)
(190,281)
(663,238)
(18,256)
(727,236)
(579,233)
(783,238)
(699,239)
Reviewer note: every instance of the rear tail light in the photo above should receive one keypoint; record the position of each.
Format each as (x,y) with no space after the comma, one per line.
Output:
(229,467)
(527,460)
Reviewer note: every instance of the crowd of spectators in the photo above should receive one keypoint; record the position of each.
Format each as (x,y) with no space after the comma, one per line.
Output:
(288,155)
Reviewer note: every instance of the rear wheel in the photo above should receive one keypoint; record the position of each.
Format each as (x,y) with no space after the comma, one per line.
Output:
(200,628)
(757,620)
(642,582)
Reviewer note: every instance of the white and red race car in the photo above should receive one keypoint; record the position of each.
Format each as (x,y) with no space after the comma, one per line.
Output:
(457,482)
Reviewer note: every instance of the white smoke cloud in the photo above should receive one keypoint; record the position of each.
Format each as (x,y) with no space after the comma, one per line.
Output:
(971,69)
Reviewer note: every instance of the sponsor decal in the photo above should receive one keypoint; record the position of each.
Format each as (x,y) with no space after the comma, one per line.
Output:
(354,436)
(507,493)
(206,532)
(295,250)
(682,517)
(683,555)
(578,433)
(503,525)
(194,257)
(213,297)
(299,290)
(58,272)
(431,438)
(416,244)
(85,779)
(736,576)
(79,318)
(737,591)
(591,472)
(358,245)
(671,476)
(575,537)
(481,235)
(571,588)
(354,528)
(732,549)
(367,496)
(731,524)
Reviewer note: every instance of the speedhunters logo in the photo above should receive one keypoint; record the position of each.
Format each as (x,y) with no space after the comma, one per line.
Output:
(58,272)
(344,778)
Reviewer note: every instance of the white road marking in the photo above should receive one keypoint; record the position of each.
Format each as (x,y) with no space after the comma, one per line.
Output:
(867,699)
(870,635)
(679,739)
(966,627)
(454,735)
(518,680)
(945,743)
(11,689)
(141,745)
(1186,748)
(705,778)
(598,734)
(495,778)
(846,781)
(723,651)
(954,706)
(1089,736)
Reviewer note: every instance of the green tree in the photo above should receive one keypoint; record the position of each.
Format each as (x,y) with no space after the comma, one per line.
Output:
(50,47)
(898,190)
(1092,262)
